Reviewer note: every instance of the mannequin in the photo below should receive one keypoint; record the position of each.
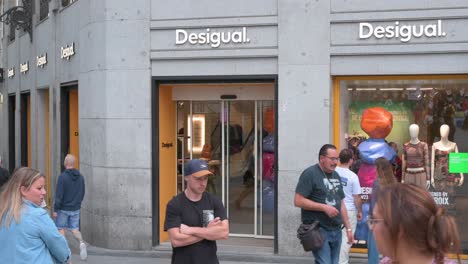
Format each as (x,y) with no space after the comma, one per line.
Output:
(415,160)
(442,180)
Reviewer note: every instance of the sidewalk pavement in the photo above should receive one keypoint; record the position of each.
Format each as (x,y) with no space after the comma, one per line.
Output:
(226,254)
(101,259)
(162,255)
(106,259)
(134,260)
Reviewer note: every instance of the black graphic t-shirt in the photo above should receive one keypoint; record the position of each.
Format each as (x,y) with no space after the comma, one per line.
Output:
(321,188)
(180,210)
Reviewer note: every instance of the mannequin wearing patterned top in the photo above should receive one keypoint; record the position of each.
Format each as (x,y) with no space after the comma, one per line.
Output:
(442,180)
(415,160)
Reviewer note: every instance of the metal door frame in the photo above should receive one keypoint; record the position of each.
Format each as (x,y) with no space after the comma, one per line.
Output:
(157,81)
(225,106)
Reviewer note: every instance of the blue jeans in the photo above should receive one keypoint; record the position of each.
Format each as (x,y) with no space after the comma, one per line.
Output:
(68,220)
(372,252)
(330,252)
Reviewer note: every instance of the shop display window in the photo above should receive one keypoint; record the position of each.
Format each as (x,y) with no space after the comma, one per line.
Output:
(430,102)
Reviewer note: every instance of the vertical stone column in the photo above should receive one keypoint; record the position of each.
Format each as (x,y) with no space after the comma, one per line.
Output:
(304,103)
(115,123)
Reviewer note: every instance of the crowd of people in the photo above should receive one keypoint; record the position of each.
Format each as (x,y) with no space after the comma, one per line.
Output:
(406,224)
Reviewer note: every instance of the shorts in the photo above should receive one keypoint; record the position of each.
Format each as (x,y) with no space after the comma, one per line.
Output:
(68,220)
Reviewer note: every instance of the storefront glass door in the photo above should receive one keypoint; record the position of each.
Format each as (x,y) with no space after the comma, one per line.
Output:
(236,138)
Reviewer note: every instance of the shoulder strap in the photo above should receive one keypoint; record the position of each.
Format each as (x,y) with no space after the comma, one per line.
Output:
(333,185)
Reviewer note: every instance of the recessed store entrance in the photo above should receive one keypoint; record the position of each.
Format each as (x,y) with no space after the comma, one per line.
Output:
(232,127)
(11,132)
(25,129)
(70,124)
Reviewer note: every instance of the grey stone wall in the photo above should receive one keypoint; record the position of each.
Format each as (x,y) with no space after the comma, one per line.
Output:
(258,57)
(446,54)
(303,106)
(112,70)
(115,125)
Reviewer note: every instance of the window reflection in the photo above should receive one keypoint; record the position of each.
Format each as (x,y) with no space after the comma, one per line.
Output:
(427,102)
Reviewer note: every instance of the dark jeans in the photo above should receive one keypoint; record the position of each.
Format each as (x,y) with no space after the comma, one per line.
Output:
(330,252)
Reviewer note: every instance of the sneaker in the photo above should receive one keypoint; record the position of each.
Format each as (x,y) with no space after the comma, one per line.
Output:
(83,251)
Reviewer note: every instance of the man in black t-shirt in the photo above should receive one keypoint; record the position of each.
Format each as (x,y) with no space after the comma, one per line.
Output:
(195,219)
(320,195)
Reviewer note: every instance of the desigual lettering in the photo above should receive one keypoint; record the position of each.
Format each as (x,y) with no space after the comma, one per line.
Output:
(214,39)
(402,32)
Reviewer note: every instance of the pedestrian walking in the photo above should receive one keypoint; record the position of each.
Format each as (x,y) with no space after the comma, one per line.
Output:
(69,194)
(195,219)
(352,200)
(320,195)
(27,233)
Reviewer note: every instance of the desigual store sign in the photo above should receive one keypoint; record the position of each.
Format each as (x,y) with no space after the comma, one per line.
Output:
(404,32)
(211,38)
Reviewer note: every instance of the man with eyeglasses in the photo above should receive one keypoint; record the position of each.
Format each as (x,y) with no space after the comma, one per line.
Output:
(320,195)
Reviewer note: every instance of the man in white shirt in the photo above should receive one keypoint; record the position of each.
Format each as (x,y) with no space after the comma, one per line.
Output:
(352,191)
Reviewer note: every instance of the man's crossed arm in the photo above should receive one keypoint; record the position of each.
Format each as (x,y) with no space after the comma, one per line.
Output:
(186,235)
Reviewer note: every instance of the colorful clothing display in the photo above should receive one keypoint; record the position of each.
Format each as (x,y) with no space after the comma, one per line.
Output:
(443,180)
(367,174)
(416,157)
(397,168)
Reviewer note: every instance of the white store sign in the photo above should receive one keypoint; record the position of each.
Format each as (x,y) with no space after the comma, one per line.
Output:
(67,52)
(213,39)
(41,60)
(24,67)
(400,31)
(11,72)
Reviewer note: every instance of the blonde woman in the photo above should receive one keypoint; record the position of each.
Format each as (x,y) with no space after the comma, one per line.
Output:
(27,233)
